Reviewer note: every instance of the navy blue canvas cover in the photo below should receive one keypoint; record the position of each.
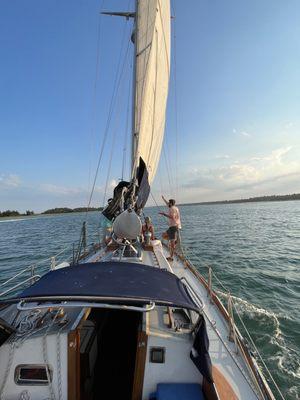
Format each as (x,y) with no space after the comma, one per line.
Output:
(112,282)
(202,358)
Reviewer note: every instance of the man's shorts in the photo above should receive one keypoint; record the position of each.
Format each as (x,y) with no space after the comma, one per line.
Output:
(172,232)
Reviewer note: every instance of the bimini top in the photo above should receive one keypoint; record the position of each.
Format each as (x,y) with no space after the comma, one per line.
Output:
(111,282)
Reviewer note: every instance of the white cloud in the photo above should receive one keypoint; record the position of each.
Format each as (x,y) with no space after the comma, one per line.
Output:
(113,183)
(9,181)
(224,156)
(60,190)
(245,134)
(241,133)
(289,125)
(274,168)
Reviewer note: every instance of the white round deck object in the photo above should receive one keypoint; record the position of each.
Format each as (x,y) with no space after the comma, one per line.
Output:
(127,225)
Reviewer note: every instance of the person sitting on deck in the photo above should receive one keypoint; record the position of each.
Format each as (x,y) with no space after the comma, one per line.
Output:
(147,231)
(106,226)
(174,225)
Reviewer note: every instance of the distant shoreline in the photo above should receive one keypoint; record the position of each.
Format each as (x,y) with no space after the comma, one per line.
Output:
(65,210)
(287,197)
(53,211)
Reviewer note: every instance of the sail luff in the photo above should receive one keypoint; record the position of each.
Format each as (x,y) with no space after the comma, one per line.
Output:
(152,70)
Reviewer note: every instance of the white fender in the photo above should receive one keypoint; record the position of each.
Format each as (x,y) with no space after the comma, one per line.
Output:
(127,225)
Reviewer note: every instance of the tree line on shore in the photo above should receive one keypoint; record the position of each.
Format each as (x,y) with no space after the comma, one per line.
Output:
(61,210)
(58,210)
(285,197)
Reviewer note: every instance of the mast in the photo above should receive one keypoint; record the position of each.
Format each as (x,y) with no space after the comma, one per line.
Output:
(134,135)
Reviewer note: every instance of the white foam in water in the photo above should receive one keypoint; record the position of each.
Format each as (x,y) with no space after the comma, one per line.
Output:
(13,220)
(294,392)
(251,310)
(287,359)
(285,363)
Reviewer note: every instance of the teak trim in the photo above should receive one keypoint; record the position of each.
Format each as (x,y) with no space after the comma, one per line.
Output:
(74,365)
(140,364)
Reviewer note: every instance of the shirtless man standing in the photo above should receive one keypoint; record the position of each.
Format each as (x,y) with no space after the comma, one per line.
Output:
(174,224)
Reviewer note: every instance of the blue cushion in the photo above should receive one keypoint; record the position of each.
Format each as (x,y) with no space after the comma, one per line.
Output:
(179,391)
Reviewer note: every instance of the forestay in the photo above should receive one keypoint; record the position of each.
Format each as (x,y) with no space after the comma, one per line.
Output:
(152,81)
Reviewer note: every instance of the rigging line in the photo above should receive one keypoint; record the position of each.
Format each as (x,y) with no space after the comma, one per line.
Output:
(157,205)
(167,168)
(112,102)
(115,132)
(94,96)
(160,182)
(170,164)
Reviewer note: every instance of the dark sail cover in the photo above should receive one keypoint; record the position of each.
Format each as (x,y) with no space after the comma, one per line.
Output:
(123,193)
(144,187)
(200,354)
(113,208)
(111,282)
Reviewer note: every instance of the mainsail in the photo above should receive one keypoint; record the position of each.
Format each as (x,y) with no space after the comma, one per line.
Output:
(152,68)
(151,83)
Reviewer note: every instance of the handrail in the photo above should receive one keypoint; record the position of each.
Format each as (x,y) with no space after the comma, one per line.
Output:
(15,276)
(65,304)
(20,284)
(194,293)
(31,268)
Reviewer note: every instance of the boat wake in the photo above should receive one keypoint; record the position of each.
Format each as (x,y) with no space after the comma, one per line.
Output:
(13,220)
(252,311)
(286,359)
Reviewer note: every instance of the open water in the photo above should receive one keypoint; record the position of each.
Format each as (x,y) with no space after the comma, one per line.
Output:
(254,249)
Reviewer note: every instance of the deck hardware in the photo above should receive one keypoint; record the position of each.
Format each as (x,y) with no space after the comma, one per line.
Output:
(232,331)
(25,306)
(52,263)
(209,282)
(32,374)
(193,293)
(35,277)
(84,236)
(157,355)
(73,254)
(32,272)
(24,395)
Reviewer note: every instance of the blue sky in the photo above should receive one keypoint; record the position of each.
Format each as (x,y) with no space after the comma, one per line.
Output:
(237,70)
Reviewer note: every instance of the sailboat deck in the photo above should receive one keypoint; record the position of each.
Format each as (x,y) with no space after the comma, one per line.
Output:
(164,328)
(229,367)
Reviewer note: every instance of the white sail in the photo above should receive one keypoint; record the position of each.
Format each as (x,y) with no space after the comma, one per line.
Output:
(152,81)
